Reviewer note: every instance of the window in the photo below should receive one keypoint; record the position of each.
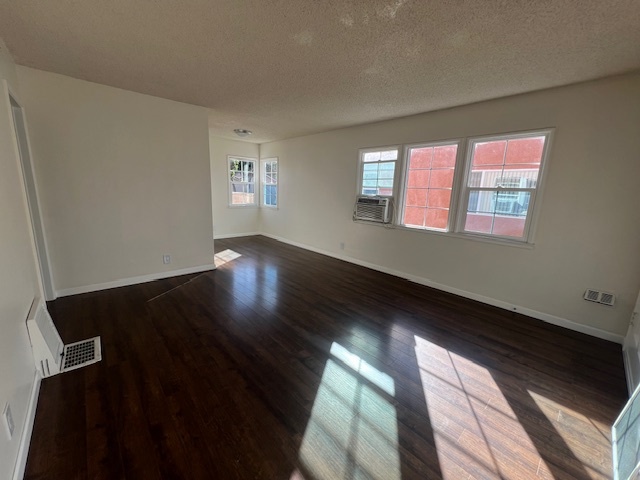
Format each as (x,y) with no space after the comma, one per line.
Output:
(500,185)
(242,185)
(487,189)
(269,169)
(428,185)
(377,171)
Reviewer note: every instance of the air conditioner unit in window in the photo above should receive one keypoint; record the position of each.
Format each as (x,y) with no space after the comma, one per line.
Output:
(372,209)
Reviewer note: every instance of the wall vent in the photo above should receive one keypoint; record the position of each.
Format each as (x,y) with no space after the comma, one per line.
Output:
(50,354)
(605,298)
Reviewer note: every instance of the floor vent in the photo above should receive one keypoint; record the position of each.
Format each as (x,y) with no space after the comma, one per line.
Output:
(605,298)
(80,354)
(51,355)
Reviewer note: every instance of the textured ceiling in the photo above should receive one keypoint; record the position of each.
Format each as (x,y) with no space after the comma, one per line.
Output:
(284,68)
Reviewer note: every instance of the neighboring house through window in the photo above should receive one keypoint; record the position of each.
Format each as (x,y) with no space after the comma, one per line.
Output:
(488,189)
(242,182)
(377,171)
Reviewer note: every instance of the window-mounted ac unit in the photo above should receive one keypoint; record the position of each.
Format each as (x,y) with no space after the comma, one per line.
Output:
(372,209)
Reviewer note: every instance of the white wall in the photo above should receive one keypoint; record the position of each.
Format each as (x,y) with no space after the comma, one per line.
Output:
(589,229)
(18,278)
(230,221)
(124,179)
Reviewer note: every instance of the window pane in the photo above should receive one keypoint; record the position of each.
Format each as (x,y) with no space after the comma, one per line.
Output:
(441,178)
(386,173)
(498,212)
(242,194)
(429,184)
(241,177)
(419,178)
(371,157)
(377,178)
(525,151)
(420,157)
(270,195)
(414,216)
(416,197)
(389,155)
(489,153)
(518,159)
(444,156)
(439,198)
(436,218)
(267,167)
(480,212)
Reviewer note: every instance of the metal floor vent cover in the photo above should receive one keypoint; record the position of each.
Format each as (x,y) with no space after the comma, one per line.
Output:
(80,354)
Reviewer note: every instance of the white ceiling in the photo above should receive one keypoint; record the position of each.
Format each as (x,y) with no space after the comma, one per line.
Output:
(284,68)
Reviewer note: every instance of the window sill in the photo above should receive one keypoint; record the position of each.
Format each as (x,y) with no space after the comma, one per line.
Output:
(243,206)
(463,236)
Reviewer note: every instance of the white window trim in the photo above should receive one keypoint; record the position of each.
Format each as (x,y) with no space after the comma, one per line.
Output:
(534,208)
(396,172)
(263,172)
(455,227)
(256,172)
(405,179)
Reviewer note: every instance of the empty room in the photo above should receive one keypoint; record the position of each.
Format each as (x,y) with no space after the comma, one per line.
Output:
(320,240)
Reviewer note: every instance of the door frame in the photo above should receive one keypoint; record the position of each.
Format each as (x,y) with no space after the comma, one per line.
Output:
(23,150)
(631,352)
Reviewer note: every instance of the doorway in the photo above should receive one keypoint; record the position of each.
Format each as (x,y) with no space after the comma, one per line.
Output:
(22,139)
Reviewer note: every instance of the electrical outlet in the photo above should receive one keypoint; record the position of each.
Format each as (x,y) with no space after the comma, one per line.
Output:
(341,245)
(166,259)
(8,420)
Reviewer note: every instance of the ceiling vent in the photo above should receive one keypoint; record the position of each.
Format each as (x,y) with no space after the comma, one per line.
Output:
(605,298)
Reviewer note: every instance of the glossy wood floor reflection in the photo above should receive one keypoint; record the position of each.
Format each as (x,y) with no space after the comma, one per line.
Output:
(286,364)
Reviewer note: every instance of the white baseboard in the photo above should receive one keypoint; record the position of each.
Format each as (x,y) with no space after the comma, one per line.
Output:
(132,280)
(545,317)
(27,429)
(235,235)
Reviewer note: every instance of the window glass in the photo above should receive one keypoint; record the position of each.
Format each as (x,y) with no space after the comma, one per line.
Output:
(427,198)
(270,183)
(241,181)
(377,174)
(501,184)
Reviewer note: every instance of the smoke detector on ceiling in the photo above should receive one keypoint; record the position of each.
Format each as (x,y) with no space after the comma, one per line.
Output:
(241,132)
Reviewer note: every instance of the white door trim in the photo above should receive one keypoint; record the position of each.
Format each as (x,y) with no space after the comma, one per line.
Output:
(22,147)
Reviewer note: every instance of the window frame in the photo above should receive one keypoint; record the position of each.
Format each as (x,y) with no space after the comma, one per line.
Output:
(459,142)
(533,208)
(263,184)
(396,171)
(460,190)
(230,183)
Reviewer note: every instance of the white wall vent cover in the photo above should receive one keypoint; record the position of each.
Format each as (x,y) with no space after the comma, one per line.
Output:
(372,209)
(597,296)
(50,354)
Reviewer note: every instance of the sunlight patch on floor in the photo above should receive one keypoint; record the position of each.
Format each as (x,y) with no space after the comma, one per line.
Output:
(225,256)
(484,439)
(565,420)
(353,431)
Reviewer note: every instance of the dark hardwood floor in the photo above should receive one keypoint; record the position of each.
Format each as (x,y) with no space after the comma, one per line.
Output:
(286,364)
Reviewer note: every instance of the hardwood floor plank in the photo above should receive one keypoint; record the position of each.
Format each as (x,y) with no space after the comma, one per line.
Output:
(287,364)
